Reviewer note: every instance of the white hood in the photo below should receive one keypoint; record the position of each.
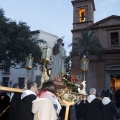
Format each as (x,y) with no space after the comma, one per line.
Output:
(91,98)
(26,93)
(106,100)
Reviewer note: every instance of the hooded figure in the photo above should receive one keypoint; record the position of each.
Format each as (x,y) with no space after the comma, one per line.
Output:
(93,106)
(80,110)
(25,109)
(109,110)
(58,67)
(43,109)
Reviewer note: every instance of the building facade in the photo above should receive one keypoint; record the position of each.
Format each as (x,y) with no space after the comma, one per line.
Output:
(11,76)
(103,73)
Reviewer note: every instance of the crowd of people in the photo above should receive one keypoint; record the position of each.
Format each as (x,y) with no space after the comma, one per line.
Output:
(44,105)
(31,104)
(97,108)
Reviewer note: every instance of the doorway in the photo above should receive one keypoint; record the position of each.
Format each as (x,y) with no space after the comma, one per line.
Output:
(115,82)
(113,77)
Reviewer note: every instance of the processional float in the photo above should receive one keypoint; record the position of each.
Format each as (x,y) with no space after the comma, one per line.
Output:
(66,96)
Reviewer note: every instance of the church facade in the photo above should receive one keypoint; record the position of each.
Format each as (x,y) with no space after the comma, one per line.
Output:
(103,73)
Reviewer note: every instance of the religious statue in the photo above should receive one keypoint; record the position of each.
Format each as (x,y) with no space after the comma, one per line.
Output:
(58,67)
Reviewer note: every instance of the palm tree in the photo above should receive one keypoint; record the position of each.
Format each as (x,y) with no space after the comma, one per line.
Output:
(85,44)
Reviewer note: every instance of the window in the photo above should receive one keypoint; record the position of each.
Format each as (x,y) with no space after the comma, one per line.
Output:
(82,14)
(5,81)
(21,82)
(38,78)
(114,38)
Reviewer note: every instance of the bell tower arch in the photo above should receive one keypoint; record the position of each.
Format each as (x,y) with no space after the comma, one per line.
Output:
(83,13)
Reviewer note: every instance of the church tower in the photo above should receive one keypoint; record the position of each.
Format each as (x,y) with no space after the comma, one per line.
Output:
(83,14)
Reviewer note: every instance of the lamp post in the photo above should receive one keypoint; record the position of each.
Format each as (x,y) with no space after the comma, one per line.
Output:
(46,54)
(84,65)
(84,68)
(29,62)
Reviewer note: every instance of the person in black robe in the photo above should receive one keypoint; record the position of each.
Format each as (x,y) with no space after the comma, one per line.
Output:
(117,96)
(109,111)
(25,109)
(80,110)
(14,105)
(93,106)
(4,103)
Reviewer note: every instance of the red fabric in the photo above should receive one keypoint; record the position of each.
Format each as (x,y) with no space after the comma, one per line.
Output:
(47,92)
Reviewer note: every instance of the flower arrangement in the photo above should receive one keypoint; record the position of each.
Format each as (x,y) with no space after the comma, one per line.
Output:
(70,81)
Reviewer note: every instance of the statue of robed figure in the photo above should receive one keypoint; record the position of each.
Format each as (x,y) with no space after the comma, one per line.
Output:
(58,67)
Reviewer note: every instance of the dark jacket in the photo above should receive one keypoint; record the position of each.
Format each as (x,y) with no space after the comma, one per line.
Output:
(117,96)
(80,110)
(25,109)
(4,103)
(93,109)
(109,110)
(14,106)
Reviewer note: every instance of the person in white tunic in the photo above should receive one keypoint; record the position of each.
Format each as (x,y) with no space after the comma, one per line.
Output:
(58,67)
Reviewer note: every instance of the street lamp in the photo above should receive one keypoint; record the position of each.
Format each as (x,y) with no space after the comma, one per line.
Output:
(46,54)
(84,65)
(84,68)
(29,63)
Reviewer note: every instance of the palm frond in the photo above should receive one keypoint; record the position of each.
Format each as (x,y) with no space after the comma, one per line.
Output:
(86,43)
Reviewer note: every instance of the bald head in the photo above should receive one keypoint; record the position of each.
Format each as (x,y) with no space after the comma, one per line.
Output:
(92,91)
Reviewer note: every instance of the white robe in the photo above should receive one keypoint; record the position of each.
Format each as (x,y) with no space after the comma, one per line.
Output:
(58,67)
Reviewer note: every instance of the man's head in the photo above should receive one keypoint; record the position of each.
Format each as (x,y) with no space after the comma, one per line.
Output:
(60,41)
(16,85)
(92,91)
(32,86)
